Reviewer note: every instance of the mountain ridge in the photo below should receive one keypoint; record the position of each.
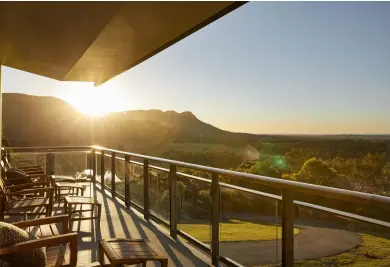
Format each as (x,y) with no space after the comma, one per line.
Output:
(42,120)
(48,121)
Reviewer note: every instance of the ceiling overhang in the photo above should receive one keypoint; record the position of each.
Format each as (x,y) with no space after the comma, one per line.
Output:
(95,41)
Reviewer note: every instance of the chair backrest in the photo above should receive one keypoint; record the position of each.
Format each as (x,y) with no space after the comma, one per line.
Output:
(4,167)
(3,153)
(6,163)
(4,189)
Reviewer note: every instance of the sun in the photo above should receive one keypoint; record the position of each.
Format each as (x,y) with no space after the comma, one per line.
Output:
(93,101)
(91,108)
(90,103)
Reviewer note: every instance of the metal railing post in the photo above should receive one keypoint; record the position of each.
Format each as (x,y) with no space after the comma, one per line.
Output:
(287,228)
(102,169)
(127,181)
(48,166)
(215,217)
(146,189)
(53,163)
(113,175)
(89,162)
(173,201)
(93,155)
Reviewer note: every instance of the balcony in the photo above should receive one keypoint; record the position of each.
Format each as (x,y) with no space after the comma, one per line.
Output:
(198,220)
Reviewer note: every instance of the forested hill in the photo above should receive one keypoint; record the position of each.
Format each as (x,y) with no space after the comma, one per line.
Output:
(43,121)
(39,121)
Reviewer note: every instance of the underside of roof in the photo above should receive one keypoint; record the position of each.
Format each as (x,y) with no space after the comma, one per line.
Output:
(95,41)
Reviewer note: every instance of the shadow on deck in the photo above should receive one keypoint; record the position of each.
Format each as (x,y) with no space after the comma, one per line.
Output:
(117,221)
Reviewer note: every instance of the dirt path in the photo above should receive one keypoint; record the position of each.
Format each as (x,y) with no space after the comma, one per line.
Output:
(310,243)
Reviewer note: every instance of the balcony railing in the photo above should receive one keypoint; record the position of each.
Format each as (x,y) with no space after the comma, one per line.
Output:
(284,204)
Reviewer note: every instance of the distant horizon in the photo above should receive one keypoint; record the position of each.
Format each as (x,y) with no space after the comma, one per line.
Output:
(282,68)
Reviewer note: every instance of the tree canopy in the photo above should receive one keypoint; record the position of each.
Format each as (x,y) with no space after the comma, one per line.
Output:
(315,171)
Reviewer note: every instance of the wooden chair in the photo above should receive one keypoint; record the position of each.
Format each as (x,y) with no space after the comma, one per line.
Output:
(36,173)
(36,169)
(4,158)
(17,179)
(32,169)
(18,199)
(61,249)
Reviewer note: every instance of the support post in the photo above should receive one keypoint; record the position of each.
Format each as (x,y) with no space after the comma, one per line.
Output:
(88,162)
(113,194)
(93,155)
(48,166)
(52,163)
(127,181)
(215,216)
(102,170)
(146,189)
(287,228)
(173,201)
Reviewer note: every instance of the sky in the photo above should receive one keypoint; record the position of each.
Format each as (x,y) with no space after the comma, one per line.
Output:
(267,67)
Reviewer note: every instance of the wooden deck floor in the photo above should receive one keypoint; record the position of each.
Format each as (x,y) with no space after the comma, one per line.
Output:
(119,222)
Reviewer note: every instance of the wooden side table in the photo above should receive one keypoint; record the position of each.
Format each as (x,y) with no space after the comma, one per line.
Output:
(69,179)
(71,188)
(62,178)
(129,251)
(76,200)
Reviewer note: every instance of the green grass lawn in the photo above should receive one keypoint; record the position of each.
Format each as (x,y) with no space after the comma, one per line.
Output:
(234,230)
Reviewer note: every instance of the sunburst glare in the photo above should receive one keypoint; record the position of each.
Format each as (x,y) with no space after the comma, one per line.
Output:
(95,101)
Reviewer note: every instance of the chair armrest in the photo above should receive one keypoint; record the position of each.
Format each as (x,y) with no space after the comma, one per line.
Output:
(29,185)
(62,178)
(45,242)
(34,172)
(31,167)
(71,185)
(63,219)
(49,190)
(29,175)
(15,179)
(36,175)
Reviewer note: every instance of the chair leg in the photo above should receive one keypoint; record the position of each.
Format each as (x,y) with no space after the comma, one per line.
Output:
(55,192)
(48,210)
(70,216)
(101,255)
(99,212)
(49,207)
(58,192)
